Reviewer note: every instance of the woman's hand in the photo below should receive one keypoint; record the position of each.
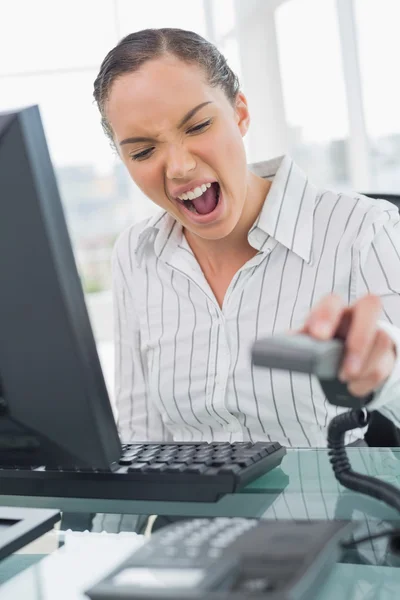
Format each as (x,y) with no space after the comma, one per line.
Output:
(370,353)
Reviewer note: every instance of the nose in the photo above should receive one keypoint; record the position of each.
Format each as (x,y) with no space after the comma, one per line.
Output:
(179,162)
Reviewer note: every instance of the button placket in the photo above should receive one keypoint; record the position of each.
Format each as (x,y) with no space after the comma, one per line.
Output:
(221,374)
(212,373)
(233,426)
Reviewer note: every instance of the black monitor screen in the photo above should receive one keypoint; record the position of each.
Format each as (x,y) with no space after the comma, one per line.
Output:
(54,406)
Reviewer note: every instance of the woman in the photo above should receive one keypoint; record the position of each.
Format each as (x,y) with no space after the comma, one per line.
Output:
(232,257)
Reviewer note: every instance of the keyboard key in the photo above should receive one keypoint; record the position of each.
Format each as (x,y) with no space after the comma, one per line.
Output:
(176,468)
(147,456)
(185,453)
(155,467)
(230,469)
(224,456)
(185,460)
(125,460)
(199,469)
(167,454)
(243,462)
(261,452)
(242,456)
(132,448)
(248,454)
(204,455)
(218,463)
(130,454)
(203,461)
(138,466)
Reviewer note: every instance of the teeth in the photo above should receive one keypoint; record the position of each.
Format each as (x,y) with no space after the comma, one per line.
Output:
(198,192)
(195,193)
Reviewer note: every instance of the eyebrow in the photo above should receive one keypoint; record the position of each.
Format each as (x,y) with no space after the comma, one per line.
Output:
(186,118)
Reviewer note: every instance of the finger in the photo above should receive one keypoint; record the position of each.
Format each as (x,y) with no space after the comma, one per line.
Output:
(361,335)
(377,367)
(344,325)
(325,317)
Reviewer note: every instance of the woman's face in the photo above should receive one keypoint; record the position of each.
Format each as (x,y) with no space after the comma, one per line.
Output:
(181,140)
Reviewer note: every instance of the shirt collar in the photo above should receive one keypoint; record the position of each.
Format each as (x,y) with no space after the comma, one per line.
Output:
(286,216)
(161,230)
(288,212)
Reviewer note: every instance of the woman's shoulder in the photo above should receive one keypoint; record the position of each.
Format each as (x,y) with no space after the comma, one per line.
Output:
(358,210)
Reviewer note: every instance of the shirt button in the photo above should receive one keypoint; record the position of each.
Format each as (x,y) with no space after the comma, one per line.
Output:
(233,427)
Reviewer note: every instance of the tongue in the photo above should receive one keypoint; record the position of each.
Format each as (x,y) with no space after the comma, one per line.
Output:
(207,201)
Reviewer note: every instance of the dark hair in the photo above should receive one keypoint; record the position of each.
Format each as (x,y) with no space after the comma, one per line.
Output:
(137,48)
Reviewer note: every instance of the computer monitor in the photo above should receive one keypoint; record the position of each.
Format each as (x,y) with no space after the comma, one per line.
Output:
(54,405)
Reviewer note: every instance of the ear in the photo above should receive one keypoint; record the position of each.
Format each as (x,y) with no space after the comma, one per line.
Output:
(242,113)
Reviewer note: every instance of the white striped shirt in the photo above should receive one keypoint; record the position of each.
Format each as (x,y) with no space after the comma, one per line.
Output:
(183,368)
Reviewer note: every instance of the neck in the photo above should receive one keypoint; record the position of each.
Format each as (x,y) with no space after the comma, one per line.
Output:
(234,247)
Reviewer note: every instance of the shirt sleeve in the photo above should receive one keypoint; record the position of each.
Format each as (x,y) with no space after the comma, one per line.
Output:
(378,272)
(138,418)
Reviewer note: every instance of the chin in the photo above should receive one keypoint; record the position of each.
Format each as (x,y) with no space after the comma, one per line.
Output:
(215,231)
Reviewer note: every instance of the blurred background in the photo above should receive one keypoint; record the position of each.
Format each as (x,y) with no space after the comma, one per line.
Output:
(320,77)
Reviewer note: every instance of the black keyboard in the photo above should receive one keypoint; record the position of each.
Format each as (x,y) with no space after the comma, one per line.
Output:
(182,472)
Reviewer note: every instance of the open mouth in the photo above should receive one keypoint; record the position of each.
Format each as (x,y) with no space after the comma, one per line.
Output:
(204,204)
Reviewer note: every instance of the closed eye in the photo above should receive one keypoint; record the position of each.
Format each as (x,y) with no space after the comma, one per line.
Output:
(142,155)
(200,127)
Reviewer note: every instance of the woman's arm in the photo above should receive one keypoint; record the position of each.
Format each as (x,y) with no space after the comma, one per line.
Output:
(377,271)
(372,358)
(138,418)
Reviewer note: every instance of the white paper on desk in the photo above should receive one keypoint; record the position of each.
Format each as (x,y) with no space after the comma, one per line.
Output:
(74,539)
(66,574)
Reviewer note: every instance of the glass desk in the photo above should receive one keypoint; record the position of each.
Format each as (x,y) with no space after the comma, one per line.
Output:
(304,487)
